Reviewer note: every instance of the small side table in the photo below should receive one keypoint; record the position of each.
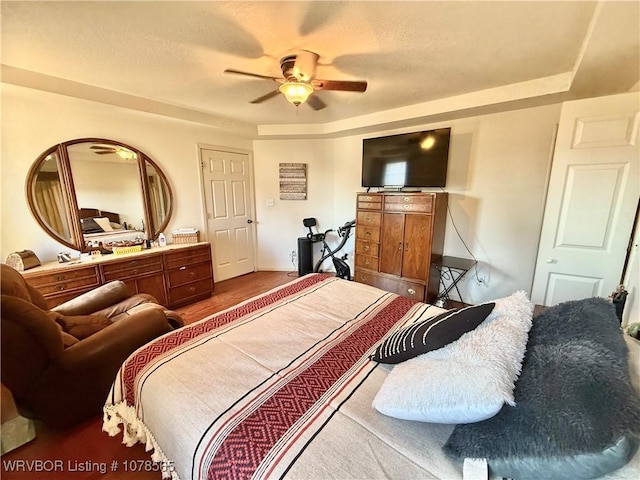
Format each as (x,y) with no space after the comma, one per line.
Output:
(453,269)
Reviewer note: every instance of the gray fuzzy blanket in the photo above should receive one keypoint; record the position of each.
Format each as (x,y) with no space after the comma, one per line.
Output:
(574,397)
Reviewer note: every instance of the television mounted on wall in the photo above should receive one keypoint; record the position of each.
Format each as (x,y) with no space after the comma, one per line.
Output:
(413,160)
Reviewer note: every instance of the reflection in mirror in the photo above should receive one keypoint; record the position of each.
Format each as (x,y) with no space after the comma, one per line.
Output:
(93,191)
(49,197)
(109,194)
(159,199)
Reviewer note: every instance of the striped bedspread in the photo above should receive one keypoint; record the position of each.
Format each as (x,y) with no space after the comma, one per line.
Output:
(279,386)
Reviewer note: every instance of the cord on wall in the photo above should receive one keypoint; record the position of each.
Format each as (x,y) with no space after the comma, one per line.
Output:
(479,279)
(294,256)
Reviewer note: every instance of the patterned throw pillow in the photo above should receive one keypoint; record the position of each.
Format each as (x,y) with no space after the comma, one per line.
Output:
(431,334)
(468,380)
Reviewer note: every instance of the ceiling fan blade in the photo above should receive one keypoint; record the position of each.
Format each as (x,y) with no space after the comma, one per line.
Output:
(265,97)
(316,102)
(344,85)
(248,74)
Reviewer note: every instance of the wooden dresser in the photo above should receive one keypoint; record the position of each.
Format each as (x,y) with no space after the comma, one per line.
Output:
(397,236)
(175,275)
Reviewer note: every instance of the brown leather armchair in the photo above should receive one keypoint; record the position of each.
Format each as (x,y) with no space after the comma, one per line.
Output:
(59,364)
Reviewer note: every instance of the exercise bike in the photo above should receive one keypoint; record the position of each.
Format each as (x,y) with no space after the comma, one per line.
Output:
(344,232)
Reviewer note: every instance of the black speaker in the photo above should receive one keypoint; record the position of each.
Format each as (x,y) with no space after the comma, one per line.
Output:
(305,256)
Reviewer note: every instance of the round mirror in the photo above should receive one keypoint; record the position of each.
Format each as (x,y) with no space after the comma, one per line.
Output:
(90,193)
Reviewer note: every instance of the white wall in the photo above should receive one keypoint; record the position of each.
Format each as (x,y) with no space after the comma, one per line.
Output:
(33,120)
(280,226)
(497,176)
(496,182)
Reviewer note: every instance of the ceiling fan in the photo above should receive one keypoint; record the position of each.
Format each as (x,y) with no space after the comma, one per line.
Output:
(298,82)
(108,150)
(103,149)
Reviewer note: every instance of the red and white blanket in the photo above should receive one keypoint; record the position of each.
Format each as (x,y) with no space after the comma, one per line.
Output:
(278,386)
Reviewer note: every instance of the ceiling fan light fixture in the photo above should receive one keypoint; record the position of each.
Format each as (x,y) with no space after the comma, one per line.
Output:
(296,92)
(125,154)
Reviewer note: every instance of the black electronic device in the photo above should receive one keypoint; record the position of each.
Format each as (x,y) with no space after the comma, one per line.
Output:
(414,160)
(305,256)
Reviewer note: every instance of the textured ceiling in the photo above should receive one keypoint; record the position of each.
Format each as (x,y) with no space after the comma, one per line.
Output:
(170,56)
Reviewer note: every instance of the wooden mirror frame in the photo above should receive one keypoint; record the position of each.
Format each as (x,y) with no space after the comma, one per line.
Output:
(60,153)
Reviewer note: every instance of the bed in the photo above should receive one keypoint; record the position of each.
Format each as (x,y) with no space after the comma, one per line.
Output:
(100,227)
(281,386)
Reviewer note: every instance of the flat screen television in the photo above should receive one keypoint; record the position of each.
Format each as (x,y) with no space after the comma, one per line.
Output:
(414,160)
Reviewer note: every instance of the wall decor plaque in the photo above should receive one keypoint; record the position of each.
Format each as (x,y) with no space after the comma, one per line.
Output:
(293,181)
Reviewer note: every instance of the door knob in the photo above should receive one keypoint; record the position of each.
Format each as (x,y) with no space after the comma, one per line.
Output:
(249,221)
(551,260)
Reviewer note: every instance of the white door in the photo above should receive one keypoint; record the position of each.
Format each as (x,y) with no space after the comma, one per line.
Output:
(592,199)
(229,210)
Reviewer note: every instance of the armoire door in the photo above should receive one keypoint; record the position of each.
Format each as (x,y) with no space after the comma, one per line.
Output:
(417,246)
(391,244)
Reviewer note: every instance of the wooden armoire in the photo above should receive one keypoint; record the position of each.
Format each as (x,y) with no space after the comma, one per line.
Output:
(397,236)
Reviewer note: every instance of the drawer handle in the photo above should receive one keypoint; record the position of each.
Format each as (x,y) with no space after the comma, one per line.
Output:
(60,277)
(192,289)
(134,262)
(367,262)
(367,234)
(369,198)
(407,199)
(400,247)
(411,291)
(406,207)
(367,219)
(182,268)
(61,287)
(363,278)
(366,248)
(192,273)
(135,271)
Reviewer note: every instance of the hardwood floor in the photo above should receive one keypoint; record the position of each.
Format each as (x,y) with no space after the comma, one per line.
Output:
(233,291)
(85,452)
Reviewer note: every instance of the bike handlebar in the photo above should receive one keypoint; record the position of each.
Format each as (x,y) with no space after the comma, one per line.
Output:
(346,227)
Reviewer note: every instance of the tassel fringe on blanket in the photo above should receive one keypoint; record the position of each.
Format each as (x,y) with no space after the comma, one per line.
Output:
(134,431)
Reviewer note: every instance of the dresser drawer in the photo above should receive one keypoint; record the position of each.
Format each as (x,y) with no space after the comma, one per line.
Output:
(68,285)
(185,293)
(369,278)
(189,273)
(409,203)
(124,269)
(53,300)
(368,234)
(366,248)
(368,219)
(180,258)
(367,261)
(414,291)
(369,202)
(88,274)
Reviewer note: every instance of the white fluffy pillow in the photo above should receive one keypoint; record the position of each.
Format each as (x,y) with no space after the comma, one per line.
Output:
(104,223)
(468,380)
